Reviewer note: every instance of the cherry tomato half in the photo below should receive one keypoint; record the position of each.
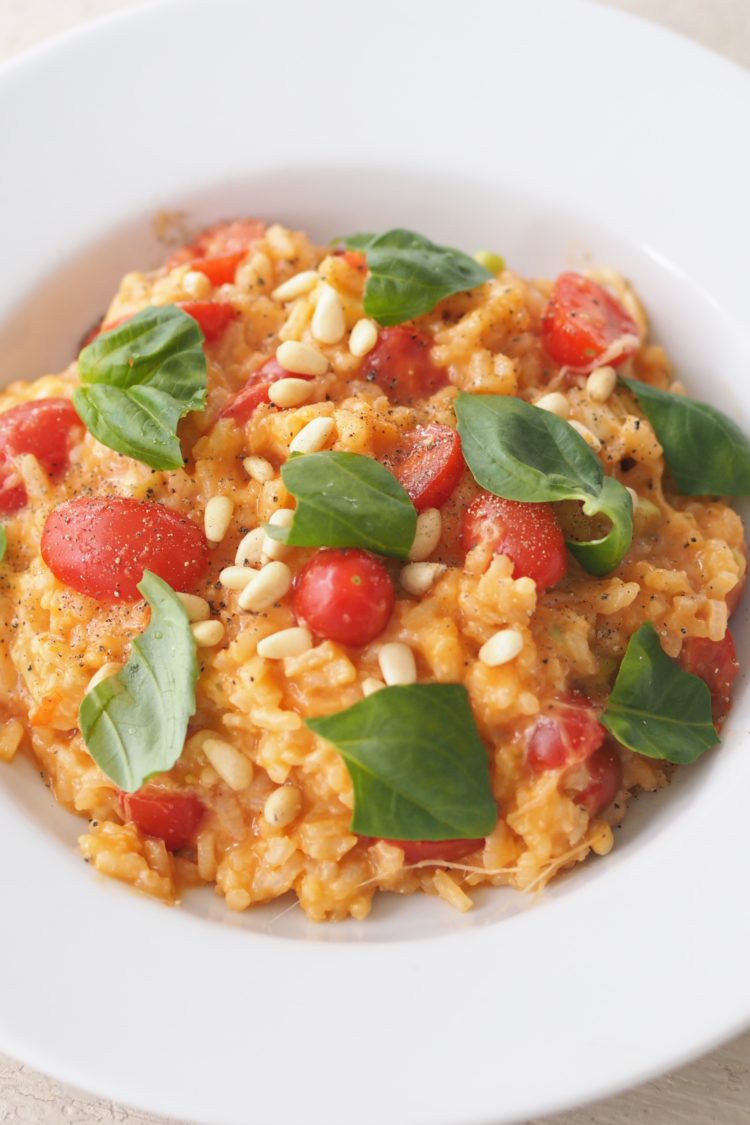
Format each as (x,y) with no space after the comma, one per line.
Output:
(218,270)
(171,817)
(45,428)
(345,595)
(429,464)
(400,363)
(605,778)
(717,665)
(101,546)
(566,733)
(221,240)
(451,851)
(529,534)
(212,316)
(583,320)
(242,406)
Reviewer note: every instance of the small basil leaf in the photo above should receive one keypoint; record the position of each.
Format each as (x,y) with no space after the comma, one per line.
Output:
(408,274)
(138,380)
(706,452)
(655,707)
(347,500)
(417,764)
(134,723)
(3,542)
(600,556)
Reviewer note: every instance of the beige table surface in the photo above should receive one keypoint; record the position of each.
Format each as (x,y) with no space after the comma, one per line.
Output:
(713,1091)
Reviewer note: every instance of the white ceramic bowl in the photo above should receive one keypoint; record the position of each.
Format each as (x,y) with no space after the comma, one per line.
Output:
(557,133)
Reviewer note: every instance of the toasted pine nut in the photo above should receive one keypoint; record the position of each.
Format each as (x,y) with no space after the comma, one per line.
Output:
(427,536)
(397,664)
(111,668)
(274,548)
(314,436)
(301,359)
(236,577)
(600,383)
(282,806)
(230,763)
(370,685)
(208,633)
(301,283)
(196,284)
(250,549)
(363,337)
(217,518)
(196,608)
(635,498)
(502,647)
(287,642)
(555,403)
(591,439)
(328,323)
(290,392)
(266,587)
(417,577)
(258,469)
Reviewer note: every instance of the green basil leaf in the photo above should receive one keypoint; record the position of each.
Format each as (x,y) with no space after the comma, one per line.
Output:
(655,707)
(417,764)
(706,452)
(520,452)
(347,500)
(138,380)
(408,274)
(3,542)
(134,723)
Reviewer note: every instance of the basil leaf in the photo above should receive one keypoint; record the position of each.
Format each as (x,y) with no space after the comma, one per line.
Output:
(706,452)
(346,500)
(138,381)
(408,274)
(520,452)
(3,542)
(134,723)
(417,763)
(655,707)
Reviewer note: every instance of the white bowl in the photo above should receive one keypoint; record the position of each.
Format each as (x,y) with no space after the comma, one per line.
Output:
(557,133)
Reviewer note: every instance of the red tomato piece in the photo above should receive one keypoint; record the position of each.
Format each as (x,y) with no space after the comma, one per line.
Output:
(242,406)
(400,363)
(450,851)
(529,534)
(100,546)
(212,316)
(345,595)
(583,320)
(717,665)
(605,778)
(171,817)
(568,732)
(220,240)
(429,465)
(45,428)
(219,270)
(357,259)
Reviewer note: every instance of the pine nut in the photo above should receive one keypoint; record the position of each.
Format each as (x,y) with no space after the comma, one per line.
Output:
(282,806)
(328,323)
(258,469)
(250,549)
(236,577)
(591,439)
(196,284)
(427,536)
(363,337)
(555,403)
(274,548)
(397,664)
(301,359)
(208,633)
(290,392)
(635,498)
(314,436)
(416,578)
(266,587)
(502,647)
(287,642)
(196,608)
(111,668)
(230,763)
(370,685)
(217,518)
(600,383)
(295,287)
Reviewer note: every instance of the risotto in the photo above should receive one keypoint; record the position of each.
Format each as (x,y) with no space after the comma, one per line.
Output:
(373,569)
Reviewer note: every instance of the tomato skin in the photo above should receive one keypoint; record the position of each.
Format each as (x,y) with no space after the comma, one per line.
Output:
(171,817)
(100,546)
(451,851)
(220,240)
(212,316)
(566,733)
(717,665)
(581,321)
(218,270)
(400,363)
(529,534)
(605,774)
(243,405)
(44,428)
(429,465)
(345,595)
